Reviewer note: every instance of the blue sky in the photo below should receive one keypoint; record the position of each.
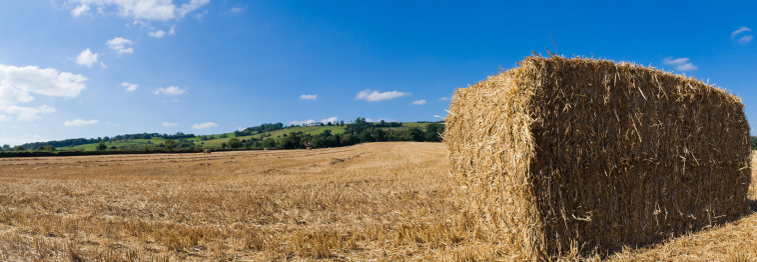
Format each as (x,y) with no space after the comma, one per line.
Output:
(90,68)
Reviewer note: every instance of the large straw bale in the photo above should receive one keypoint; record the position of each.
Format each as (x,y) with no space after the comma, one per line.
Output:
(559,155)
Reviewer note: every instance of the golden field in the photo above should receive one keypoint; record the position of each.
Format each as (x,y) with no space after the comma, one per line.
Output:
(370,202)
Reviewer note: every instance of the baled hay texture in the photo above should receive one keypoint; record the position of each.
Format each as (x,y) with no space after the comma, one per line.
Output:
(594,155)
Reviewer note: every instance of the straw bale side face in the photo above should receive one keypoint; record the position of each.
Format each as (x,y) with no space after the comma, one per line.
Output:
(615,154)
(628,155)
(490,147)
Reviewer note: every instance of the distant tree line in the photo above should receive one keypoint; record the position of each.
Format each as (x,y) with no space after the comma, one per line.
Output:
(83,141)
(360,131)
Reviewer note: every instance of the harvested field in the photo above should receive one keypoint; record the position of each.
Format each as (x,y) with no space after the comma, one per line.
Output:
(370,202)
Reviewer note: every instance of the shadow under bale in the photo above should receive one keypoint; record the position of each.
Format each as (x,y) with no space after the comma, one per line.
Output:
(559,155)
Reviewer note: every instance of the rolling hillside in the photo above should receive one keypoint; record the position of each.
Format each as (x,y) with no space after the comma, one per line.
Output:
(216,140)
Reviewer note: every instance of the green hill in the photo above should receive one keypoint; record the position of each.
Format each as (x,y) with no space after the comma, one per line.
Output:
(217,140)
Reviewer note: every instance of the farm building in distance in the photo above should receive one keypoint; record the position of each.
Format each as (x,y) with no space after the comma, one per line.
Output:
(582,154)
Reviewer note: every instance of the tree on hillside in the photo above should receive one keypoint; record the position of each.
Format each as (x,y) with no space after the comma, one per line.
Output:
(379,134)
(101,146)
(6,147)
(223,145)
(366,136)
(416,134)
(291,141)
(170,143)
(433,132)
(46,148)
(234,143)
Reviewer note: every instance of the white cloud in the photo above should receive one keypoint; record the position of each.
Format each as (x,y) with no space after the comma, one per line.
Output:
(80,122)
(237,10)
(367,95)
(204,125)
(141,9)
(26,113)
(681,64)
(79,10)
(379,120)
(309,97)
(199,16)
(167,124)
(447,98)
(4,118)
(86,58)
(129,87)
(332,119)
(191,6)
(677,61)
(17,82)
(419,102)
(18,141)
(11,96)
(686,67)
(306,122)
(171,90)
(745,39)
(119,45)
(740,30)
(103,65)
(157,34)
(240,128)
(116,125)
(142,24)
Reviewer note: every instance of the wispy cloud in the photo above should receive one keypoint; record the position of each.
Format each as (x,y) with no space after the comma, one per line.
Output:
(237,10)
(204,125)
(129,87)
(419,102)
(379,120)
(332,119)
(25,113)
(119,44)
(171,90)
(309,97)
(139,9)
(745,39)
(740,30)
(681,64)
(161,33)
(76,12)
(157,34)
(446,98)
(80,122)
(367,95)
(167,124)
